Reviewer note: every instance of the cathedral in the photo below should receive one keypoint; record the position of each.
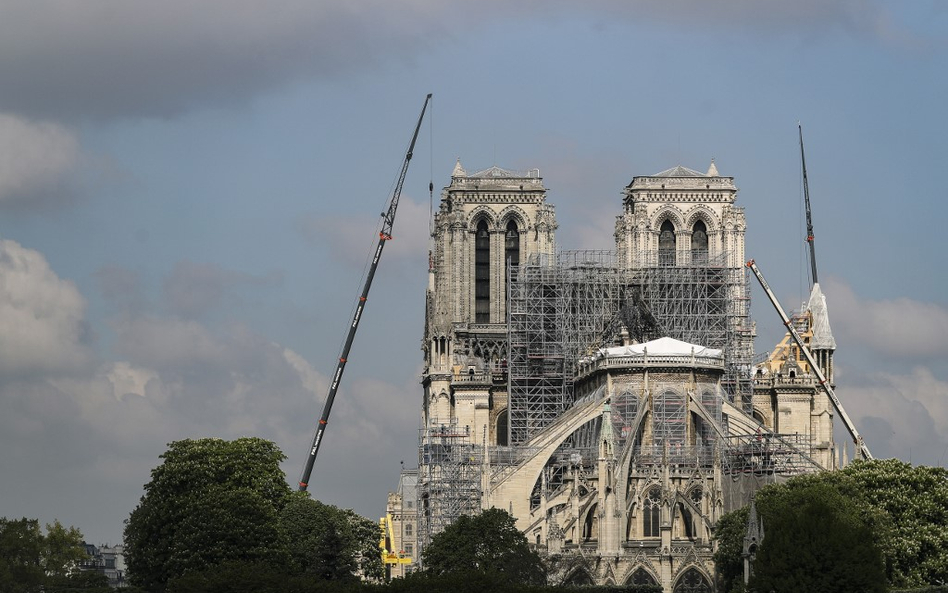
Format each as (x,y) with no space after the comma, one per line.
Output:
(611,401)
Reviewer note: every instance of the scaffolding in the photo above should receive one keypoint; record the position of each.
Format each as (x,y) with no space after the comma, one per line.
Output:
(563,309)
(449,477)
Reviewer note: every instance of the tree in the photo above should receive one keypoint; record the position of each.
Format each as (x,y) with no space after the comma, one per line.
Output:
(729,533)
(209,502)
(30,560)
(488,543)
(319,539)
(905,508)
(816,541)
(21,545)
(365,534)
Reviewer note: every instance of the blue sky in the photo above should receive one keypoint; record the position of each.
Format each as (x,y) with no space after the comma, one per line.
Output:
(189,194)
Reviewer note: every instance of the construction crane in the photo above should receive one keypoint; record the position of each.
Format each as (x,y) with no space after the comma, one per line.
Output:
(806,200)
(861,447)
(384,235)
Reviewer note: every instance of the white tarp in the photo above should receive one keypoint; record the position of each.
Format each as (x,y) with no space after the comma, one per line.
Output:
(660,347)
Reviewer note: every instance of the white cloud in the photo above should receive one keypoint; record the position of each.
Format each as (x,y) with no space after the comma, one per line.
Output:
(42,325)
(900,415)
(901,327)
(36,158)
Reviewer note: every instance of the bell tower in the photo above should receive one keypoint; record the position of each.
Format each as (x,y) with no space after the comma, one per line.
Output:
(487,223)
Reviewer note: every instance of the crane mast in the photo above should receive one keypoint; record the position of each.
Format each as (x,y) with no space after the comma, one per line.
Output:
(857,439)
(806,200)
(384,235)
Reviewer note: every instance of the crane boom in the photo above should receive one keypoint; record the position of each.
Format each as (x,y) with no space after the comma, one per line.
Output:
(806,200)
(857,439)
(385,235)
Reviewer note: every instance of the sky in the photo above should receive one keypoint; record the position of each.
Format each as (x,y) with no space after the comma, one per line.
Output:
(190,193)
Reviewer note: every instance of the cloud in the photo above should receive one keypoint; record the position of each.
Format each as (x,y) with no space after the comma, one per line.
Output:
(900,415)
(902,327)
(38,160)
(42,324)
(102,59)
(353,240)
(193,288)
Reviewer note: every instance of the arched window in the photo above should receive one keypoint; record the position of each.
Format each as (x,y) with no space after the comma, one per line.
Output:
(482,273)
(666,244)
(668,421)
(641,577)
(699,243)
(502,423)
(692,581)
(511,246)
(652,513)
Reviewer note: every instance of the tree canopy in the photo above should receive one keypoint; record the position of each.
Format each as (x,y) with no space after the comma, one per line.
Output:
(816,540)
(904,509)
(209,502)
(488,543)
(31,560)
(215,506)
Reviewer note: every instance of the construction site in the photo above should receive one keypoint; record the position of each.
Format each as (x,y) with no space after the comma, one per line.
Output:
(610,401)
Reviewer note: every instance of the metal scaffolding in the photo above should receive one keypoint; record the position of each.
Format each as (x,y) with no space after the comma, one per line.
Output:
(449,477)
(561,310)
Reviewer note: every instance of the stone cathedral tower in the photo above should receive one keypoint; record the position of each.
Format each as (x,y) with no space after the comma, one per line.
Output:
(609,401)
(487,223)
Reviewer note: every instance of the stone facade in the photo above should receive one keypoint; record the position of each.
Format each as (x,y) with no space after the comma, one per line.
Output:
(624,486)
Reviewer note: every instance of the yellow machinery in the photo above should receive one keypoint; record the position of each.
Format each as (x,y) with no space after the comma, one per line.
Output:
(387,541)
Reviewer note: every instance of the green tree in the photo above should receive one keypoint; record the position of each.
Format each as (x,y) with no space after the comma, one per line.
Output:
(913,504)
(319,539)
(729,533)
(62,549)
(86,581)
(30,560)
(488,543)
(210,501)
(904,506)
(21,547)
(365,532)
(816,540)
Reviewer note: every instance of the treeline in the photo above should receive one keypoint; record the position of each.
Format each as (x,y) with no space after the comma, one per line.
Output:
(874,526)
(32,560)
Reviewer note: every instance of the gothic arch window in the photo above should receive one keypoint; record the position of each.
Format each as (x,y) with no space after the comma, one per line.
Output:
(668,421)
(666,244)
(503,420)
(511,245)
(699,243)
(591,524)
(692,581)
(482,273)
(652,513)
(641,577)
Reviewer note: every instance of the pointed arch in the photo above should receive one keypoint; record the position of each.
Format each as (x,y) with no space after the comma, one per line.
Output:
(699,242)
(693,580)
(482,272)
(667,243)
(652,512)
(640,575)
(502,427)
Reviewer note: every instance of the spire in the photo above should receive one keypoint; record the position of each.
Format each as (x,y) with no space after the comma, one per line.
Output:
(458,170)
(822,334)
(712,170)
